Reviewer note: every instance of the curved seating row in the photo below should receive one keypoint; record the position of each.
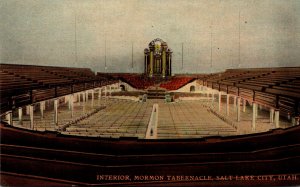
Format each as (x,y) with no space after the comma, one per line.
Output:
(273,87)
(25,84)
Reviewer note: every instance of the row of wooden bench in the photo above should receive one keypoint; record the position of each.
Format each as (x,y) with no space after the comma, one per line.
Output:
(25,84)
(276,87)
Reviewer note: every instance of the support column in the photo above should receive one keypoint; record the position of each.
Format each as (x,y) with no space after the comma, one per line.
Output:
(220,101)
(69,101)
(227,104)
(86,96)
(92,98)
(99,96)
(20,112)
(234,102)
(207,97)
(31,117)
(254,108)
(99,93)
(66,98)
(75,98)
(78,97)
(83,97)
(244,105)
(276,118)
(212,99)
(271,115)
(238,109)
(27,110)
(83,106)
(8,117)
(56,112)
(105,94)
(42,104)
(72,104)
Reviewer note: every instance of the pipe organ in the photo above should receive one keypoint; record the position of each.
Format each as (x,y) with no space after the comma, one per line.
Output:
(158,59)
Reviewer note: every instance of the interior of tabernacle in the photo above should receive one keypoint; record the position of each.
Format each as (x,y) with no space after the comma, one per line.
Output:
(75,101)
(149,93)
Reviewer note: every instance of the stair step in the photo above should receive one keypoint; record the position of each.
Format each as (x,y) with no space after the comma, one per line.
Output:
(156,91)
(156,97)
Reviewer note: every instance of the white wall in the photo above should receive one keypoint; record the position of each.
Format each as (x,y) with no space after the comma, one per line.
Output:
(43,32)
(187,87)
(128,87)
